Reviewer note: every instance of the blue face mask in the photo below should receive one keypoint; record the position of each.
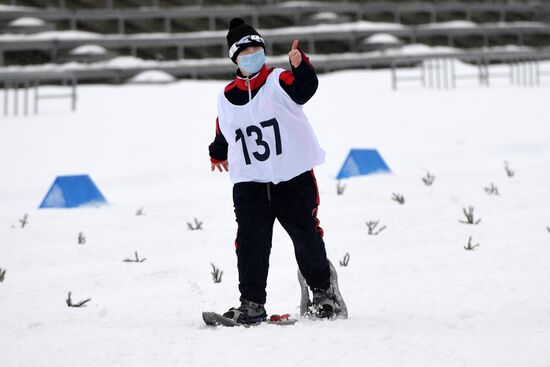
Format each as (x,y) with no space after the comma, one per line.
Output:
(252,63)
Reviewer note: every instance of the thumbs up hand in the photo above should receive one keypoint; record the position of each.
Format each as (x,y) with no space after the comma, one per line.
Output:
(295,55)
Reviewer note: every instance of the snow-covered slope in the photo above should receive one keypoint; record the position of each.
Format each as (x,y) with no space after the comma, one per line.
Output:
(416,297)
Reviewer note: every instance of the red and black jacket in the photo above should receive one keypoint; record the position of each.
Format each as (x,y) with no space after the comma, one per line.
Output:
(300,84)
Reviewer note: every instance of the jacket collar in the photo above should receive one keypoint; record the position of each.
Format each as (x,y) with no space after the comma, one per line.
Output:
(256,80)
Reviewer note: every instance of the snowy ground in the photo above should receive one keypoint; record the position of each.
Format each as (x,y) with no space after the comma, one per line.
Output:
(416,297)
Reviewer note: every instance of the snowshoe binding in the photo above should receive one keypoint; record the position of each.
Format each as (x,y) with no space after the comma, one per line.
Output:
(247,314)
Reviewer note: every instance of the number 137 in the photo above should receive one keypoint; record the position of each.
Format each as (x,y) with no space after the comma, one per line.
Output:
(254,129)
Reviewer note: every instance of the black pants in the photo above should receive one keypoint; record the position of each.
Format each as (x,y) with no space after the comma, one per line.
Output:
(294,203)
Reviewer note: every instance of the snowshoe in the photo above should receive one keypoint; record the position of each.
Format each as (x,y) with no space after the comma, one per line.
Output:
(327,304)
(248,313)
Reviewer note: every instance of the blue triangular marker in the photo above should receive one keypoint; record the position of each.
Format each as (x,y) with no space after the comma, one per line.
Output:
(363,162)
(73,192)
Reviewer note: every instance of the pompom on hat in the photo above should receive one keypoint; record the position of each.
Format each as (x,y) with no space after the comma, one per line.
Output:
(241,36)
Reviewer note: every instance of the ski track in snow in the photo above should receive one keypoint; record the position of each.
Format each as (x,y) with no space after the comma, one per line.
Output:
(415,296)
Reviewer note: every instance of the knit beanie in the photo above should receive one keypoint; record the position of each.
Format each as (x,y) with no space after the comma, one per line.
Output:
(241,36)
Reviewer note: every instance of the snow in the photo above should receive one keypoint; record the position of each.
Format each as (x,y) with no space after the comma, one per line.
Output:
(416,297)
(26,22)
(89,50)
(470,24)
(153,76)
(126,62)
(511,48)
(452,24)
(119,62)
(81,35)
(325,15)
(7,8)
(420,49)
(520,24)
(298,3)
(52,35)
(133,62)
(341,27)
(382,38)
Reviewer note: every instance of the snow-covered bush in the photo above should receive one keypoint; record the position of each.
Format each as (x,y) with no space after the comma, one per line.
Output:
(399,198)
(70,303)
(508,170)
(469,214)
(136,259)
(340,188)
(492,189)
(345,261)
(469,246)
(24,221)
(216,274)
(371,225)
(428,179)
(196,226)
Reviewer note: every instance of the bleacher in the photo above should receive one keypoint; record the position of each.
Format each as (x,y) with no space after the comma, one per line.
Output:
(187,37)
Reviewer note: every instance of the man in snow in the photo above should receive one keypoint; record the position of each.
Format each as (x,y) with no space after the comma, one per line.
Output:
(267,144)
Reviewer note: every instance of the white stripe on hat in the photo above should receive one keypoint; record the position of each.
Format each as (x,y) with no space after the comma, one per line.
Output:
(246,40)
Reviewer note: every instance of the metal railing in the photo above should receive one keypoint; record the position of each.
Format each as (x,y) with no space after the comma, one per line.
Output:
(438,71)
(16,83)
(224,69)
(296,11)
(309,37)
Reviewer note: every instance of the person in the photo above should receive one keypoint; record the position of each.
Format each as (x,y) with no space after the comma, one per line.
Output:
(265,142)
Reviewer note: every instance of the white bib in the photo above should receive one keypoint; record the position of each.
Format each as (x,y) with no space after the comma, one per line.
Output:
(270,138)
